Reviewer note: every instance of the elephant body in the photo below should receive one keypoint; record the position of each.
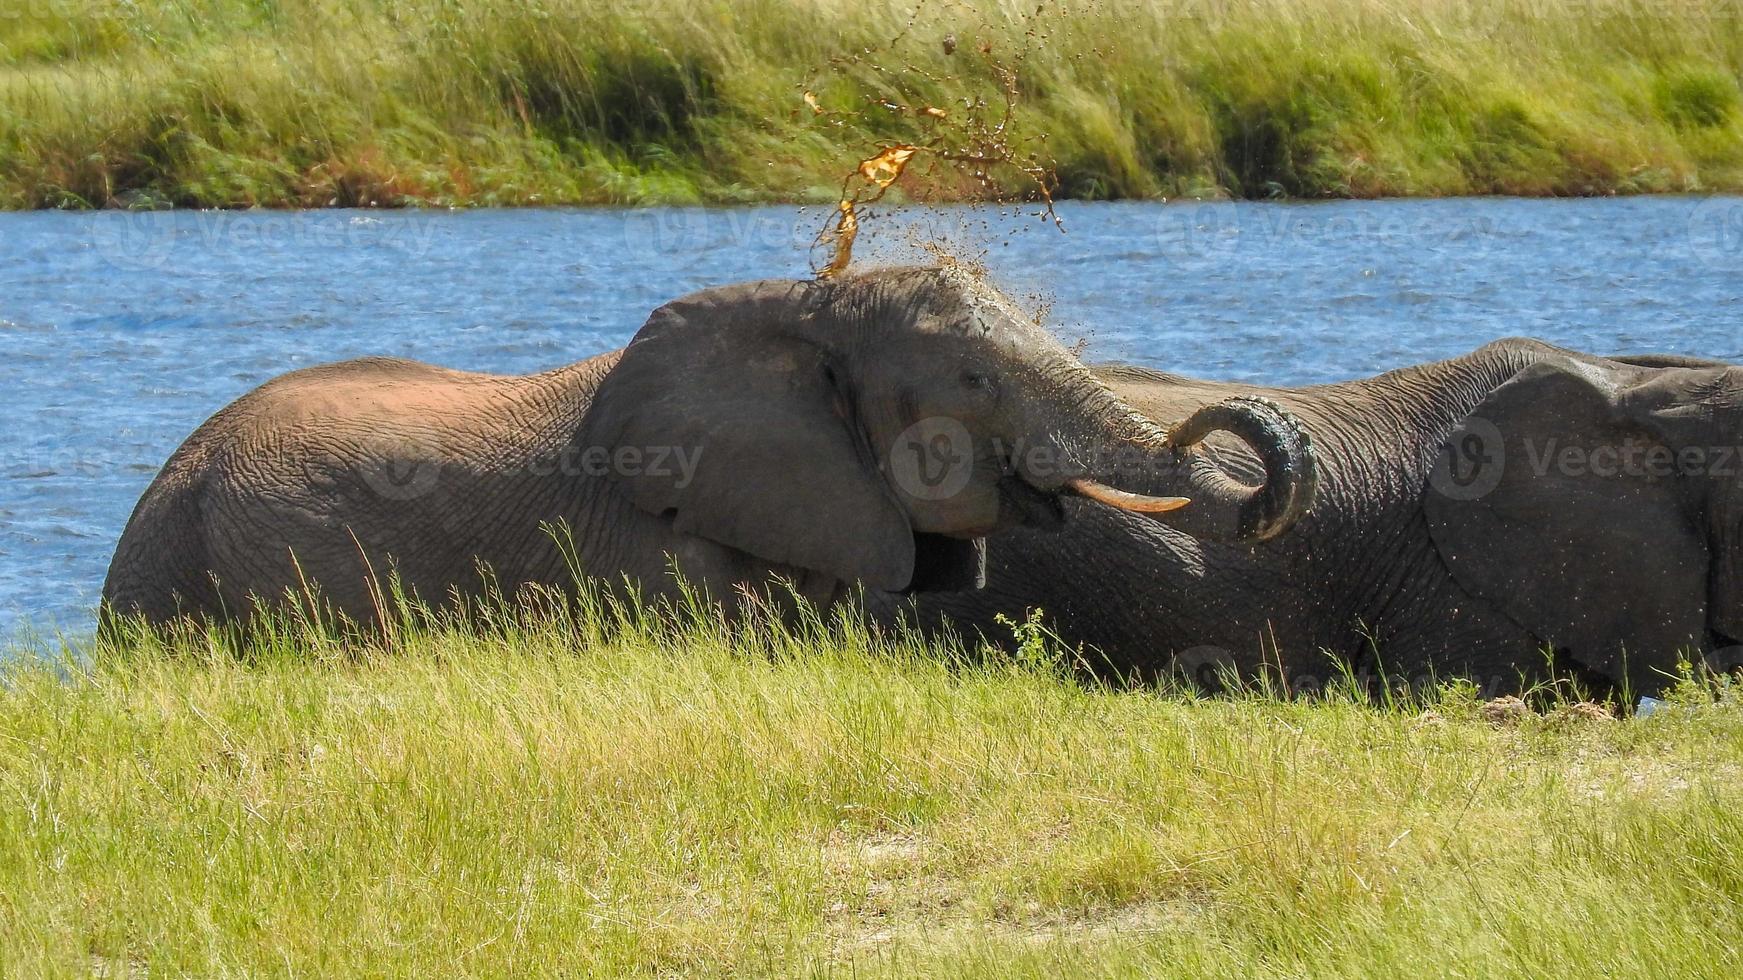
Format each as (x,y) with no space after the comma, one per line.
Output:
(1452,534)
(777,433)
(336,476)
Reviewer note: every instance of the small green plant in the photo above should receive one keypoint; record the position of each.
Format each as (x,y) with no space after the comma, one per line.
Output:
(1459,698)
(1038,648)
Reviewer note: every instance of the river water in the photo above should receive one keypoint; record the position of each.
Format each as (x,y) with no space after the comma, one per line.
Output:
(119,333)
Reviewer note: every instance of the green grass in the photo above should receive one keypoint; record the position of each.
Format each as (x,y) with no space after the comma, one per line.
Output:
(560,794)
(385,102)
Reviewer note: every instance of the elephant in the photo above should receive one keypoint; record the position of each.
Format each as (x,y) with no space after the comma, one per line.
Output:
(819,437)
(1518,514)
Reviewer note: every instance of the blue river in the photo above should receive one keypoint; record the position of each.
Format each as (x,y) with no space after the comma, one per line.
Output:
(119,332)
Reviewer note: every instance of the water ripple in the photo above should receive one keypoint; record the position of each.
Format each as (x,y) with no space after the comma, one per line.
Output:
(119,333)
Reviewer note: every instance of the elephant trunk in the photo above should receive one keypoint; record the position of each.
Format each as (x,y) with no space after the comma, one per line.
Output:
(1117,457)
(1235,511)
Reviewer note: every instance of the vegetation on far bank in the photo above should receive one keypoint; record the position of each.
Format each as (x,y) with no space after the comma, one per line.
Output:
(384,102)
(572,794)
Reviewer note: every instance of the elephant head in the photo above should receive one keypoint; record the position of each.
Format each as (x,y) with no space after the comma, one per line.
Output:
(1592,502)
(872,427)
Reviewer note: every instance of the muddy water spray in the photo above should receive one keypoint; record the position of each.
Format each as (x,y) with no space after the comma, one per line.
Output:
(979,139)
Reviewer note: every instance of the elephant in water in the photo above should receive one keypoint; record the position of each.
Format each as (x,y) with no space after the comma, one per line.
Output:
(1520,510)
(856,430)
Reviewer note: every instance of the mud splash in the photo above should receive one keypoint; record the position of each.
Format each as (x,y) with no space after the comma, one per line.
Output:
(979,139)
(879,173)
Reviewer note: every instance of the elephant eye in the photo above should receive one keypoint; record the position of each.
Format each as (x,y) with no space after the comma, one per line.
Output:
(979,381)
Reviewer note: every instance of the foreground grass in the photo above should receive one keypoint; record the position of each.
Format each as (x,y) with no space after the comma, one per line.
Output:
(557,798)
(317,102)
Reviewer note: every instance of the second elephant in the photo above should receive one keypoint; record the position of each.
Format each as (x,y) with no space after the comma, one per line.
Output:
(1520,511)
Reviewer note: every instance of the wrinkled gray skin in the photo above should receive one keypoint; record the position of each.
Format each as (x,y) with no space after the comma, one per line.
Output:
(762,424)
(1512,547)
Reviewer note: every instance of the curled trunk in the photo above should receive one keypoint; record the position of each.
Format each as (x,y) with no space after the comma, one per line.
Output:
(1117,457)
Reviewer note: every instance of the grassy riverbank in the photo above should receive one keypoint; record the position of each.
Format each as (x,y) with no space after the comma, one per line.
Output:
(556,799)
(316,102)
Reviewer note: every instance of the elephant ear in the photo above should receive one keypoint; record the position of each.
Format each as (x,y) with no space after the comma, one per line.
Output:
(729,378)
(1695,405)
(1552,501)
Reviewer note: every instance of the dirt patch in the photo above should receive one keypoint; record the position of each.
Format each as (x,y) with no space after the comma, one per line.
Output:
(1043,929)
(1652,779)
(901,891)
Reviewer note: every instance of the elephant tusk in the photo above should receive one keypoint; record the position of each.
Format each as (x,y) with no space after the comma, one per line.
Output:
(1136,502)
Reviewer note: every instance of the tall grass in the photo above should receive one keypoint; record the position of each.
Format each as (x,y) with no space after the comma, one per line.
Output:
(317,102)
(554,792)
